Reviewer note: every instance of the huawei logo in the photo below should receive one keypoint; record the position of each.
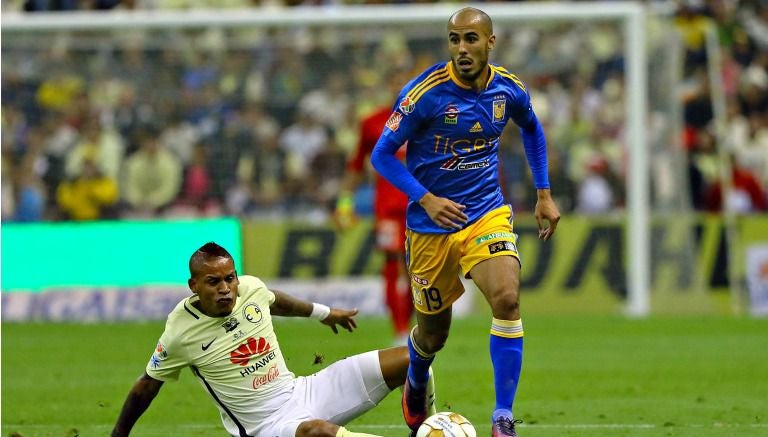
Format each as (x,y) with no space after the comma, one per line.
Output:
(250,348)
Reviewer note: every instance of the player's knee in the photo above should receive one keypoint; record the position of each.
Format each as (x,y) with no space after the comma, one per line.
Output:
(431,342)
(506,305)
(316,428)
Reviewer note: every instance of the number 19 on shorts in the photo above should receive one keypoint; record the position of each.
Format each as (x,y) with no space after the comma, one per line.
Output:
(428,297)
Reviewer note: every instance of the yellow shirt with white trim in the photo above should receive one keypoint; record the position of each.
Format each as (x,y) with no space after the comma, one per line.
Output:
(236,358)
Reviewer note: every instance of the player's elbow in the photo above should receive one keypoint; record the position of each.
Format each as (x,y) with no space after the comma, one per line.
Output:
(378,155)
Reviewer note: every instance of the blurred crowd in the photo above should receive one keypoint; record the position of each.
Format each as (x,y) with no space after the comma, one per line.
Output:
(260,122)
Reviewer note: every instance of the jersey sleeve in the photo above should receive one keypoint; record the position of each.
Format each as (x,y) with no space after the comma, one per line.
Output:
(532,133)
(406,118)
(168,358)
(521,111)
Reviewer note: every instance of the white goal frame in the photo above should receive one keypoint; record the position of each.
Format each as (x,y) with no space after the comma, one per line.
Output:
(632,15)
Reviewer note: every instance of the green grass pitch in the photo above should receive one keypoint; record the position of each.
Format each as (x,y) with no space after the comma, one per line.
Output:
(582,376)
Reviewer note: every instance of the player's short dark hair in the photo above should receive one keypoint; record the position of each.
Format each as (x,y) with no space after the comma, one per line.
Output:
(206,251)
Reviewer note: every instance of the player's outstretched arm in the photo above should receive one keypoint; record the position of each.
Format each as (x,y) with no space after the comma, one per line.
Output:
(141,395)
(290,306)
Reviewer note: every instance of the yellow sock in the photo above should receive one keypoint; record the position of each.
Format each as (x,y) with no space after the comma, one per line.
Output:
(344,432)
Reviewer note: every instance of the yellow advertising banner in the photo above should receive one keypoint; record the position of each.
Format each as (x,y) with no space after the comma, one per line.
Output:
(582,269)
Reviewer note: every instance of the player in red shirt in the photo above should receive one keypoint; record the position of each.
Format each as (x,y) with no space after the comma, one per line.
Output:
(389,213)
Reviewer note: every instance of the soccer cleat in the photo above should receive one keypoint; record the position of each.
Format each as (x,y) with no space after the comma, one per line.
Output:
(414,403)
(504,427)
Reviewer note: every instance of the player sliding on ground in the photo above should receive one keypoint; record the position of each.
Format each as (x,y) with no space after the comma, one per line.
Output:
(224,334)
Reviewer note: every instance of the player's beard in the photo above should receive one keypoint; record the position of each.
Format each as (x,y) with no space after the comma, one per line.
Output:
(471,76)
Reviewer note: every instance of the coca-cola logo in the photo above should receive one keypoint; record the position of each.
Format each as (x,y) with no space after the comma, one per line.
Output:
(270,376)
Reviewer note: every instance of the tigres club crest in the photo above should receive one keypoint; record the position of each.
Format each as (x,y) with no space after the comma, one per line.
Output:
(499,108)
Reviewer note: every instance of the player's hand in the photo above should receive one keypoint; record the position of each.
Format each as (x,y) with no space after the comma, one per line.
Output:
(547,214)
(343,318)
(444,212)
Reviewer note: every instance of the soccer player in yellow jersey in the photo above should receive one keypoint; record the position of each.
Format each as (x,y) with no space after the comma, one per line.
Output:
(224,334)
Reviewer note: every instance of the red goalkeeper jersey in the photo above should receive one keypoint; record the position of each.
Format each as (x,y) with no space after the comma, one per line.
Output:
(388,201)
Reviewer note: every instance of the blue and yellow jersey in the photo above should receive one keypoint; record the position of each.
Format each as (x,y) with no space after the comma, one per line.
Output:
(453,137)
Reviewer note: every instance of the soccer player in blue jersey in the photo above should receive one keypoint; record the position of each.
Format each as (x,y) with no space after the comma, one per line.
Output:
(452,116)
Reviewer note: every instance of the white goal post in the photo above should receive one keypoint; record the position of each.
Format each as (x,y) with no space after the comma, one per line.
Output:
(631,14)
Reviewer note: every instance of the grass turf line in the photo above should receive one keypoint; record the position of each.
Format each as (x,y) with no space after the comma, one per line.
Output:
(583,376)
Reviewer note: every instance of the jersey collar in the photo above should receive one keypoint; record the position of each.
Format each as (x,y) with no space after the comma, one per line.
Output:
(455,77)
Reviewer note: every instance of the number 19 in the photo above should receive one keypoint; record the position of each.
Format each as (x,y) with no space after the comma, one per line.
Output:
(432,297)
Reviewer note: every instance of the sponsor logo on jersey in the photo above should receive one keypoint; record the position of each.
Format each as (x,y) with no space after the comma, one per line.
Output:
(251,348)
(258,364)
(270,376)
(501,246)
(252,313)
(451,114)
(394,121)
(419,280)
(406,105)
(230,324)
(477,127)
(463,146)
(457,163)
(494,235)
(499,109)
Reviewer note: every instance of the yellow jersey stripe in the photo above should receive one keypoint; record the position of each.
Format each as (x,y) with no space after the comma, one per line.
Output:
(443,79)
(504,73)
(415,90)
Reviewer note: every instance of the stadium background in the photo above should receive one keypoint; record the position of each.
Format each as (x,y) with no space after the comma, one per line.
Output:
(239,135)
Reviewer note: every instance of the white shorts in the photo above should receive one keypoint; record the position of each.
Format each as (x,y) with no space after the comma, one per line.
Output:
(339,393)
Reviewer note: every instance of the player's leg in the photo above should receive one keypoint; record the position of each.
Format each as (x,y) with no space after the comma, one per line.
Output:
(492,261)
(426,339)
(498,280)
(394,366)
(432,261)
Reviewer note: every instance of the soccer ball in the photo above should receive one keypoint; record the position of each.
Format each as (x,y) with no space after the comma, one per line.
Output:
(446,424)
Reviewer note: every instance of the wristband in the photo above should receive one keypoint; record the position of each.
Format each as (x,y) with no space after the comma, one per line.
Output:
(320,311)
